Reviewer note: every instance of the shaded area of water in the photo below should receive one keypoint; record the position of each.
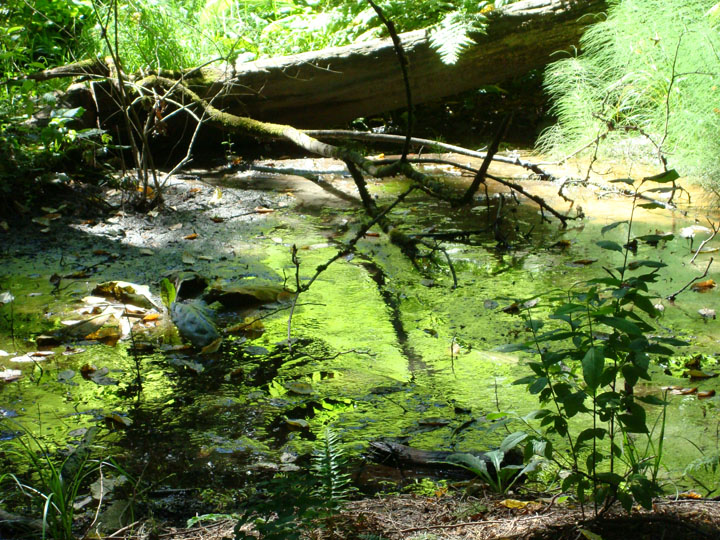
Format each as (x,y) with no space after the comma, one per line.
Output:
(385,349)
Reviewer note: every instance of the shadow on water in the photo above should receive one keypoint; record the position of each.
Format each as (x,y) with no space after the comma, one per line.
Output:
(380,348)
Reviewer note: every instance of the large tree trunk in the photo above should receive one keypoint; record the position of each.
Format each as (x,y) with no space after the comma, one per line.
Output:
(332,86)
(327,88)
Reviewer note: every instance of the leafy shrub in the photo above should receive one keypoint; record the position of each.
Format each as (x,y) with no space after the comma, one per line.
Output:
(586,369)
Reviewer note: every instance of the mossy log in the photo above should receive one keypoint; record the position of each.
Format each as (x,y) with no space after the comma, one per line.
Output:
(332,86)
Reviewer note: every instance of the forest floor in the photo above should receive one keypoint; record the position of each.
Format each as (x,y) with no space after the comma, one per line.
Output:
(452,517)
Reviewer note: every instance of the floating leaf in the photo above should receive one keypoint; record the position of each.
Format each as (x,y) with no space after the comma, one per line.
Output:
(117,421)
(582,262)
(610,245)
(175,227)
(299,387)
(705,395)
(707,313)
(191,236)
(212,347)
(187,258)
(263,210)
(10,375)
(664,177)
(702,286)
(297,423)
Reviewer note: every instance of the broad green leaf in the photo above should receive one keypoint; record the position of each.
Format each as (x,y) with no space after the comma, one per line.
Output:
(512,440)
(593,364)
(622,324)
(664,177)
(167,292)
(590,434)
(610,245)
(539,384)
(652,205)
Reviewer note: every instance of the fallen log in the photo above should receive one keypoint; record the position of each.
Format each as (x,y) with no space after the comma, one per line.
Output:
(332,86)
(402,457)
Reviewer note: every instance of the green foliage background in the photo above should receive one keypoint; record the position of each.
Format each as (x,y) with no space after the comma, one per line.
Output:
(646,82)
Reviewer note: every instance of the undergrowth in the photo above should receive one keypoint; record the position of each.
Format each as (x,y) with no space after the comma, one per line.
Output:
(646,84)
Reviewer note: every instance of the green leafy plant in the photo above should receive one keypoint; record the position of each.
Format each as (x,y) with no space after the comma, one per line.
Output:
(587,367)
(54,486)
(500,476)
(328,466)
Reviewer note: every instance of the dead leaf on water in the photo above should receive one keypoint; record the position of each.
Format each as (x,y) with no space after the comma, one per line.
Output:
(108,336)
(707,313)
(147,252)
(10,375)
(151,317)
(299,387)
(191,236)
(702,286)
(187,258)
(35,356)
(263,210)
(705,395)
(582,262)
(175,227)
(212,347)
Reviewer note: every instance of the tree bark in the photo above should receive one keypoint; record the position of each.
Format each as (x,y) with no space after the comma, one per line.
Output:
(333,86)
(328,88)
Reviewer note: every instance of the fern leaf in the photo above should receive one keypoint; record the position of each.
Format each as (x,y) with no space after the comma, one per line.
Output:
(451,36)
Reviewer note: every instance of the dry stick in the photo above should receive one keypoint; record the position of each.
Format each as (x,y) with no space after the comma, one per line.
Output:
(702,245)
(465,524)
(480,176)
(402,59)
(383,137)
(320,269)
(674,295)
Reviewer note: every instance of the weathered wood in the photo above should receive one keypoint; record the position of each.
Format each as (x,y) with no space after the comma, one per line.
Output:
(335,85)
(402,456)
(330,87)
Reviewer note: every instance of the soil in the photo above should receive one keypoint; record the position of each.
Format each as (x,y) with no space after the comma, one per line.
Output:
(452,517)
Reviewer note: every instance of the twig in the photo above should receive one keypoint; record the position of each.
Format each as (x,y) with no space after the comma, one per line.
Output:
(674,295)
(402,60)
(482,172)
(702,245)
(464,524)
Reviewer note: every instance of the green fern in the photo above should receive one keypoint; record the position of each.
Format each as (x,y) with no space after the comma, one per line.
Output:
(451,36)
(328,466)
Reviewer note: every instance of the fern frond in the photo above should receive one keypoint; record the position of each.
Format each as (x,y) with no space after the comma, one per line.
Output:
(451,36)
(328,466)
